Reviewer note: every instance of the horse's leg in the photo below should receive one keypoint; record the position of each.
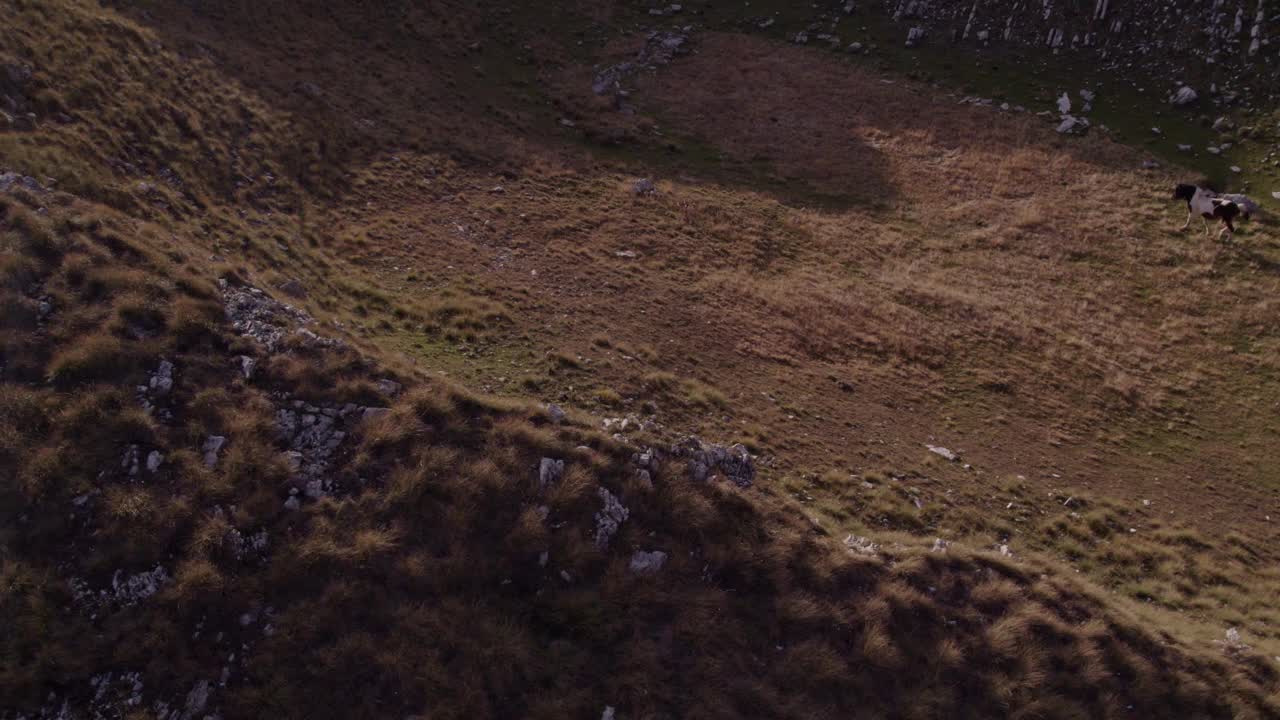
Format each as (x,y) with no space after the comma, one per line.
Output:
(1187,224)
(1207,231)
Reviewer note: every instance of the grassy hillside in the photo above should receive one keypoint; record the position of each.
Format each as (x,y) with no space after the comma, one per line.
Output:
(289,292)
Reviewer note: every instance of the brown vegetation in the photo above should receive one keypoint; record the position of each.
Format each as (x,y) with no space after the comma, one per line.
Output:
(835,270)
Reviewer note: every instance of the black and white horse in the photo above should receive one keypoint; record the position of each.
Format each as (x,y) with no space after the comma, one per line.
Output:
(1209,205)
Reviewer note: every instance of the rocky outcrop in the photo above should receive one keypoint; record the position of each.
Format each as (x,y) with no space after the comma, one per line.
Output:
(610,517)
(1163,39)
(703,461)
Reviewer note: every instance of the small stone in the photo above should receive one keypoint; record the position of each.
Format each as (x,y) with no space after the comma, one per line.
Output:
(293,503)
(914,36)
(1236,169)
(647,562)
(1184,95)
(212,446)
(940,545)
(247,366)
(373,413)
(854,47)
(550,471)
(1088,95)
(294,288)
(154,458)
(1213,150)
(1184,148)
(389,387)
(644,186)
(1064,104)
(555,413)
(608,714)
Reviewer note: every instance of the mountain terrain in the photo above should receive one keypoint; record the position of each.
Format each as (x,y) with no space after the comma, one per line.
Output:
(636,360)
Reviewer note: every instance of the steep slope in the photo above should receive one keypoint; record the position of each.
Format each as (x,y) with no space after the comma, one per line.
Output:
(234,482)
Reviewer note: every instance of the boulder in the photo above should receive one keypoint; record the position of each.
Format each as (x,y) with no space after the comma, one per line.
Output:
(943,452)
(647,562)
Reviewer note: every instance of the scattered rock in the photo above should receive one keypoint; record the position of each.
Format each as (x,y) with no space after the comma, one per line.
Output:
(644,186)
(1222,124)
(940,545)
(703,460)
(1064,104)
(1088,95)
(212,446)
(854,47)
(555,413)
(944,452)
(608,714)
(1149,165)
(10,180)
(293,288)
(162,380)
(136,588)
(859,545)
(1072,124)
(1236,169)
(247,366)
(154,458)
(609,518)
(256,315)
(647,562)
(373,413)
(1213,150)
(389,387)
(915,36)
(1184,95)
(550,471)
(1184,148)
(197,699)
